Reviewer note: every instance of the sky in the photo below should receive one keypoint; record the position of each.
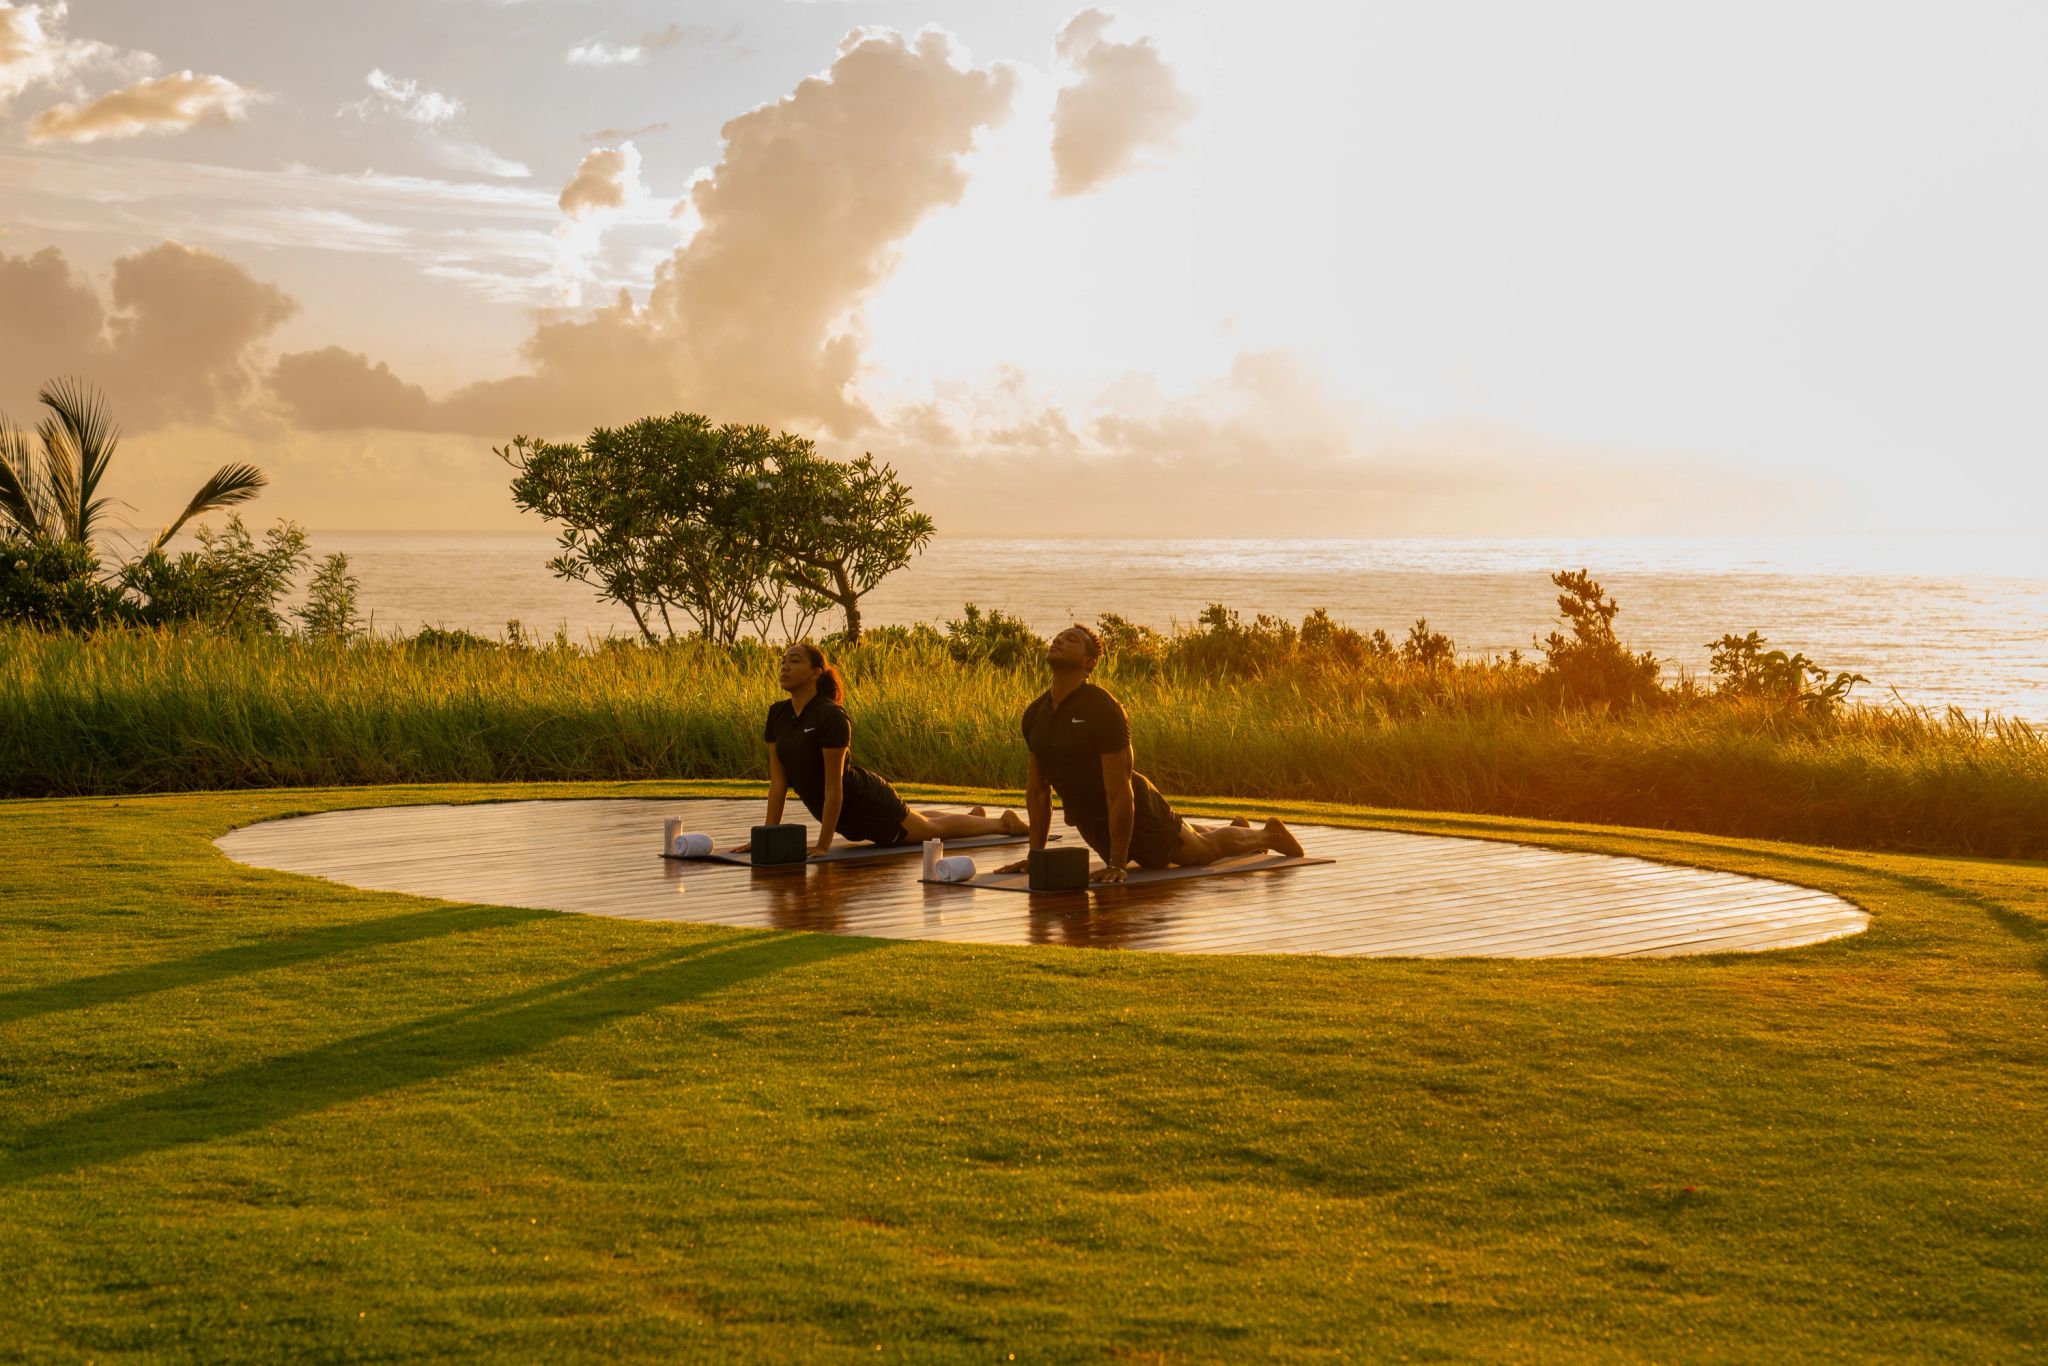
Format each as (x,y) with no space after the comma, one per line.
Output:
(1174,269)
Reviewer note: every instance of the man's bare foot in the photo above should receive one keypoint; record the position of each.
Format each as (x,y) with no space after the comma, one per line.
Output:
(1281,840)
(1013,824)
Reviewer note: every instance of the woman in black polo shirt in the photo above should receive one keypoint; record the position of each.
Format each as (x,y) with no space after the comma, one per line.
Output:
(809,736)
(1080,743)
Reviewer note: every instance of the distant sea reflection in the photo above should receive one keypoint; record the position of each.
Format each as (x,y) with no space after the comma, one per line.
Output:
(1946,621)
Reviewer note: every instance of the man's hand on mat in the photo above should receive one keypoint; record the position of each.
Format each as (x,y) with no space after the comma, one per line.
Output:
(746,848)
(820,850)
(1020,866)
(1110,872)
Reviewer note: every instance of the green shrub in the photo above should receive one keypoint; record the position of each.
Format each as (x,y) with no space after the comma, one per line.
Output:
(231,583)
(330,611)
(993,638)
(55,586)
(1591,665)
(1742,667)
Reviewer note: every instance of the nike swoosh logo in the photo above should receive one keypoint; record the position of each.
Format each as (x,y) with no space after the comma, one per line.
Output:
(809,729)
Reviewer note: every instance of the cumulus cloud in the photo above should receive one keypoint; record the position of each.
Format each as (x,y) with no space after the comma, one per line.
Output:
(333,389)
(604,179)
(434,116)
(605,187)
(36,51)
(168,104)
(1125,103)
(754,317)
(178,344)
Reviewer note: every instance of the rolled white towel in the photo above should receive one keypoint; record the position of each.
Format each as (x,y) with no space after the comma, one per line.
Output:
(693,845)
(956,868)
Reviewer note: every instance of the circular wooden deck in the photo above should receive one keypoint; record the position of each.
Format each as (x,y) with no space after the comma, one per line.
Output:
(1387,895)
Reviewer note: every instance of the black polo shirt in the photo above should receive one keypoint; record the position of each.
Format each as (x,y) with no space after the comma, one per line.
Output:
(1069,741)
(800,742)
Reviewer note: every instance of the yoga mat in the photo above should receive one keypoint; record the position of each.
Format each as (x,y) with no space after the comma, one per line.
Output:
(843,852)
(1138,877)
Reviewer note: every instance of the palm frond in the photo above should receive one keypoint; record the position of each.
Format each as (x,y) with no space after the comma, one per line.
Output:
(24,502)
(230,484)
(79,438)
(60,477)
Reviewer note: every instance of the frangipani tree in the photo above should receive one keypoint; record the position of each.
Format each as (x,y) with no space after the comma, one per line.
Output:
(732,527)
(843,528)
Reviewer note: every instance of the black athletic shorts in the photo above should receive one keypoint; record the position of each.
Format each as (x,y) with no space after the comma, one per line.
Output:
(1155,829)
(877,816)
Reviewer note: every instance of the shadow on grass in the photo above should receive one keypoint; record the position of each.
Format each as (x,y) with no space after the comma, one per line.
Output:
(79,993)
(281,1088)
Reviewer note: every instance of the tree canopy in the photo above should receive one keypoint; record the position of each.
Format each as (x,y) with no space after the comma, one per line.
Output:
(729,529)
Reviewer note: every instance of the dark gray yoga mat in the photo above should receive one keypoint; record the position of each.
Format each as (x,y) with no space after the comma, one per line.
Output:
(1138,877)
(843,852)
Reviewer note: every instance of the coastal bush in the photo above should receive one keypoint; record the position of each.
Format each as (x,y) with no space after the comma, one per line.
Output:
(330,611)
(1591,665)
(55,586)
(137,710)
(231,583)
(993,638)
(1426,648)
(1742,667)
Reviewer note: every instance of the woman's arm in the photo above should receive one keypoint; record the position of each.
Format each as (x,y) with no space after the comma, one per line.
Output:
(778,787)
(835,794)
(1116,786)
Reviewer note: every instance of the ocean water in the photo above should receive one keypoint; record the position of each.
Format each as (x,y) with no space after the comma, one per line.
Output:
(1934,621)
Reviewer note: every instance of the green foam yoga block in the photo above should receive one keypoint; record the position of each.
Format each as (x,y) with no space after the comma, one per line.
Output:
(1059,870)
(781,844)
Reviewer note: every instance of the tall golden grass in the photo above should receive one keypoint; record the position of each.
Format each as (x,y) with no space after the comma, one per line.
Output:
(137,711)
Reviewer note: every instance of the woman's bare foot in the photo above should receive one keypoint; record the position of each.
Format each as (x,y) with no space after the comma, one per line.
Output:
(1281,840)
(977,811)
(1241,822)
(1013,824)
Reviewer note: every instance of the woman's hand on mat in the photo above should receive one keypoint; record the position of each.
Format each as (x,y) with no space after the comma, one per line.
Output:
(1110,872)
(820,850)
(1020,866)
(746,848)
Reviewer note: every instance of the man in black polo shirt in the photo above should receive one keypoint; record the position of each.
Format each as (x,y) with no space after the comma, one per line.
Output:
(1080,743)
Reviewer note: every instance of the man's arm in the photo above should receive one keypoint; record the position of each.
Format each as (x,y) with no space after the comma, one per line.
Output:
(1038,806)
(1116,786)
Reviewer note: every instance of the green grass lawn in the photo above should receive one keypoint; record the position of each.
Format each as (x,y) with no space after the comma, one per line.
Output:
(245,1114)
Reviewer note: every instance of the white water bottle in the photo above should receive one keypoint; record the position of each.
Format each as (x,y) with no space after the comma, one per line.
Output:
(670,827)
(934,850)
